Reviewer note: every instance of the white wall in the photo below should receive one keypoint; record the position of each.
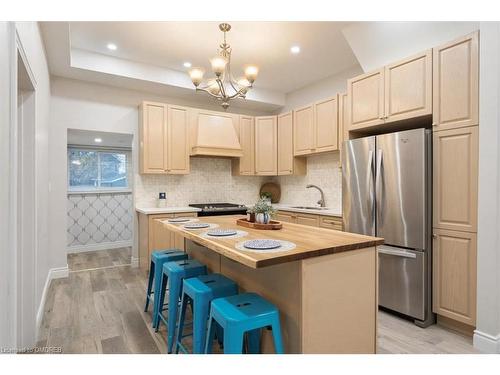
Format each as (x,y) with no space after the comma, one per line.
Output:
(330,86)
(30,37)
(376,44)
(7,253)
(487,334)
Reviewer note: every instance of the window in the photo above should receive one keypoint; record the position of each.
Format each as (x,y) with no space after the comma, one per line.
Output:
(90,169)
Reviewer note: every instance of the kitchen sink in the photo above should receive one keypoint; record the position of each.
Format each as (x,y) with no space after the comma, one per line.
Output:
(310,208)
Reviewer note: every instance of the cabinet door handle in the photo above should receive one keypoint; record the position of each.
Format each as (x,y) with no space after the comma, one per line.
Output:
(434,236)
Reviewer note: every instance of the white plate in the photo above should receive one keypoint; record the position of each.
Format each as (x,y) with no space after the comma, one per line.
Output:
(196,226)
(179,220)
(221,232)
(261,244)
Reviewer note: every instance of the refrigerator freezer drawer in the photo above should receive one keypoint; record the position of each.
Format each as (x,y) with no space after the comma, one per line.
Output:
(402,280)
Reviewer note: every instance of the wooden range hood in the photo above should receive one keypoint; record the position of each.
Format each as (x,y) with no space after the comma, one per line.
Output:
(214,134)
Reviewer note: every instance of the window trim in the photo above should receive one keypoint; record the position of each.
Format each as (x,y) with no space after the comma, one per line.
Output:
(99,189)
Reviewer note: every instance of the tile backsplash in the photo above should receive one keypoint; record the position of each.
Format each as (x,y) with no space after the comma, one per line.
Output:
(322,170)
(210,181)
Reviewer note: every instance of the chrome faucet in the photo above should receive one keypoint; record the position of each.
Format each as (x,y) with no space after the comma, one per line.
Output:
(321,202)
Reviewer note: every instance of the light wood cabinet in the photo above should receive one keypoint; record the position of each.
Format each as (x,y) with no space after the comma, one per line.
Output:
(164,143)
(266,146)
(399,91)
(303,130)
(365,96)
(408,88)
(343,130)
(287,217)
(306,219)
(454,275)
(245,165)
(316,127)
(288,164)
(456,83)
(328,222)
(154,236)
(455,176)
(177,140)
(153,137)
(326,125)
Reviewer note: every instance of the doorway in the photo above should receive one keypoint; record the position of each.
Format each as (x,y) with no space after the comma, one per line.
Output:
(26,206)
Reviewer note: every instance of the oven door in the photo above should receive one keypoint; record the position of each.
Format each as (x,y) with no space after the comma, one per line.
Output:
(402,280)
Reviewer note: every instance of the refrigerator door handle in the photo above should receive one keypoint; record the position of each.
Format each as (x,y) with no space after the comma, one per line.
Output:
(369,179)
(378,189)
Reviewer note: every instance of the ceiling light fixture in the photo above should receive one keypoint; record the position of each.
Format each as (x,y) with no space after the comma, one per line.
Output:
(224,87)
(97,140)
(295,49)
(112,46)
(187,64)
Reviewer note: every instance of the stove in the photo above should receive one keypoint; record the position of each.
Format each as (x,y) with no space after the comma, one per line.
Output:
(218,209)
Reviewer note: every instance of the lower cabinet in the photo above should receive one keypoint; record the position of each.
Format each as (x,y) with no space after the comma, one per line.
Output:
(154,236)
(329,222)
(454,275)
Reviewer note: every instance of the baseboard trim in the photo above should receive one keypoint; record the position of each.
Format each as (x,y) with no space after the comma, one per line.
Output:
(134,262)
(98,246)
(54,273)
(486,343)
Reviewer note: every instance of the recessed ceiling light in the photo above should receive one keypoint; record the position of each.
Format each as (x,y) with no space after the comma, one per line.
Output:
(112,46)
(97,140)
(187,64)
(295,49)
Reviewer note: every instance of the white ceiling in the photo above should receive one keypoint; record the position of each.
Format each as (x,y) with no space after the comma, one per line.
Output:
(324,50)
(86,138)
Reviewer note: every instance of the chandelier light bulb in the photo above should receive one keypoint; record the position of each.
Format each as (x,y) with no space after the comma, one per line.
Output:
(251,73)
(218,65)
(196,75)
(213,87)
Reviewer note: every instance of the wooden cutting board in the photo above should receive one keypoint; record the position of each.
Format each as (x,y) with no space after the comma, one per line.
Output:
(274,189)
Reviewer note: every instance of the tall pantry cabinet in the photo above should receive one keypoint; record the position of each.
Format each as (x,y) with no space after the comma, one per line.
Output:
(455,178)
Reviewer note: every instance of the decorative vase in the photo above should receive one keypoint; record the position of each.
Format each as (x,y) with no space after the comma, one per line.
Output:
(262,218)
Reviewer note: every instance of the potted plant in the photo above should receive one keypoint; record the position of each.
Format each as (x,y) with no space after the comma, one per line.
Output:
(263,211)
(266,196)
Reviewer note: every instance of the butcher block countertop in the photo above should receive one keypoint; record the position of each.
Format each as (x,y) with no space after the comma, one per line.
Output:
(310,241)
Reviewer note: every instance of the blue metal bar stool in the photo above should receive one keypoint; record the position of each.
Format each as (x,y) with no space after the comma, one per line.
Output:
(173,273)
(200,291)
(240,314)
(158,259)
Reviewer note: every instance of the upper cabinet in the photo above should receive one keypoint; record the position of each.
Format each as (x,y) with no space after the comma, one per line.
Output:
(399,91)
(456,83)
(303,124)
(287,163)
(316,127)
(408,88)
(266,146)
(365,100)
(245,165)
(177,140)
(326,125)
(164,143)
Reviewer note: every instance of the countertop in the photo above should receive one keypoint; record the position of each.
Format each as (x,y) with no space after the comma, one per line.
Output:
(165,210)
(310,241)
(287,207)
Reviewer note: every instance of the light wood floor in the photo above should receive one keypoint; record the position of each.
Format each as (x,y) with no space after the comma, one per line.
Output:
(99,309)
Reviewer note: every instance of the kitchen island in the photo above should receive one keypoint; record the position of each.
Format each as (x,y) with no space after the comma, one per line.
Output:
(325,287)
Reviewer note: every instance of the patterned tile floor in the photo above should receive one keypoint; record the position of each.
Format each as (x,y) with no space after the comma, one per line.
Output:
(99,309)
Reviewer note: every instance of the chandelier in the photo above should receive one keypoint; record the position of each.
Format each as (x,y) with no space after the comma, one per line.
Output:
(224,86)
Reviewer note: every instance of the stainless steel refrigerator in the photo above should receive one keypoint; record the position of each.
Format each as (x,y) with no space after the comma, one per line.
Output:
(386,192)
